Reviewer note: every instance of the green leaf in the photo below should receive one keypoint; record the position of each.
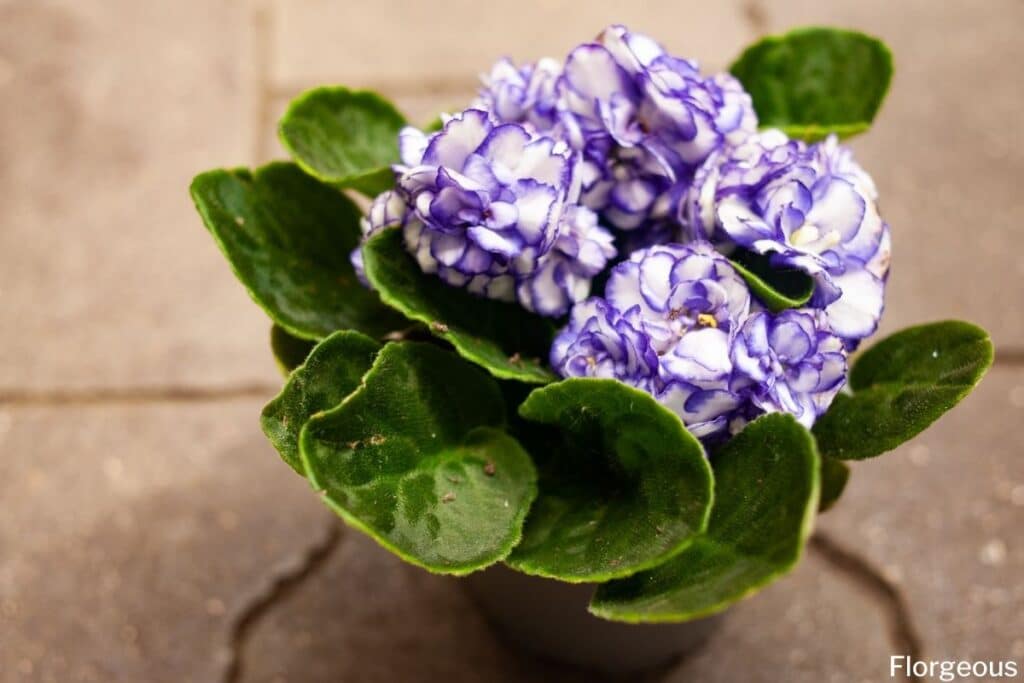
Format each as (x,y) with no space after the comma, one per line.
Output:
(834,475)
(777,288)
(766,494)
(290,352)
(435,124)
(504,338)
(288,239)
(901,385)
(415,458)
(348,138)
(623,485)
(332,372)
(814,81)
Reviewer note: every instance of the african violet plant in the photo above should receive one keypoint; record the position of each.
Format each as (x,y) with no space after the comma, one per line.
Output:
(600,324)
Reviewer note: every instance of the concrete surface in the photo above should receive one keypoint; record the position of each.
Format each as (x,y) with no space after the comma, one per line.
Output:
(148,534)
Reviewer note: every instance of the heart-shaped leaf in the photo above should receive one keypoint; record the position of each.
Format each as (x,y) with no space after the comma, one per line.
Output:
(504,338)
(348,138)
(288,239)
(415,458)
(332,372)
(766,494)
(289,351)
(777,288)
(814,81)
(623,485)
(901,385)
(834,475)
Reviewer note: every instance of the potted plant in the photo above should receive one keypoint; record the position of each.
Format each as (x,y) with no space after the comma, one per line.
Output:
(598,342)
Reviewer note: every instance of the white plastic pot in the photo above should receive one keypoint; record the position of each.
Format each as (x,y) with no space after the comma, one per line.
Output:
(550,619)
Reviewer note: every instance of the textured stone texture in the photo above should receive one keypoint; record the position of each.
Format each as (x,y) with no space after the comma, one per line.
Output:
(107,275)
(135,533)
(419,45)
(942,516)
(367,617)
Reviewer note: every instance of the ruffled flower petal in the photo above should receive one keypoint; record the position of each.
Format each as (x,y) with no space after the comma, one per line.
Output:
(789,363)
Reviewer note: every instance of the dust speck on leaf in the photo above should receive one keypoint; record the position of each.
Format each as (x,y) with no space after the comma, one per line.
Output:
(448,497)
(490,468)
(438,327)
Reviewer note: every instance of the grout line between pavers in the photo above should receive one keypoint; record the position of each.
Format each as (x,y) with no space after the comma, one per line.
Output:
(281,582)
(1011,358)
(757,17)
(262,24)
(902,631)
(135,395)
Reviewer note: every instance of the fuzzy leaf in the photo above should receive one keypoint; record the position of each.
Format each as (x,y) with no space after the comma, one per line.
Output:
(288,239)
(623,485)
(347,138)
(766,494)
(901,385)
(834,476)
(814,81)
(332,372)
(416,459)
(777,288)
(289,351)
(504,338)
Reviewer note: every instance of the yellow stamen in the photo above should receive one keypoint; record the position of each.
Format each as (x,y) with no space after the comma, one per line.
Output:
(707,320)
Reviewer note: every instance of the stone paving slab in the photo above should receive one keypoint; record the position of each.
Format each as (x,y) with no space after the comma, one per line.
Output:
(943,517)
(131,535)
(367,617)
(107,276)
(379,42)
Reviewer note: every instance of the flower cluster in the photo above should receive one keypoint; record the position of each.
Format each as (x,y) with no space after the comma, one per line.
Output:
(622,150)
(810,207)
(492,207)
(678,321)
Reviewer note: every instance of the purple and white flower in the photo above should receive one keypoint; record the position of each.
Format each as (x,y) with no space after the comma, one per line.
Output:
(683,303)
(600,341)
(526,95)
(582,250)
(645,121)
(490,207)
(809,207)
(680,289)
(788,363)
